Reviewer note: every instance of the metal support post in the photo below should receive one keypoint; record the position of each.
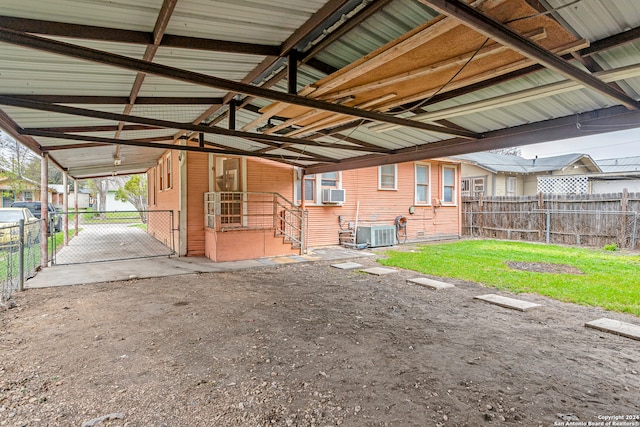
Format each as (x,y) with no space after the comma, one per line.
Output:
(548,233)
(21,257)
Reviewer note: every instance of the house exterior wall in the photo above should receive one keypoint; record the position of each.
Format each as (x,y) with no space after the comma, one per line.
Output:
(163,198)
(530,184)
(364,202)
(615,186)
(372,206)
(115,205)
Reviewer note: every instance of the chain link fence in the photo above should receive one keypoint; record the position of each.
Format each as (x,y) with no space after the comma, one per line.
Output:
(19,256)
(116,235)
(572,227)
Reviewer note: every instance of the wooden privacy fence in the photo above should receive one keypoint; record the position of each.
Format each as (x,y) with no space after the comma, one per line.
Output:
(573,219)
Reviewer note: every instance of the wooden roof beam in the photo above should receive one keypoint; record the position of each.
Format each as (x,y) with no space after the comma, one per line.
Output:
(502,34)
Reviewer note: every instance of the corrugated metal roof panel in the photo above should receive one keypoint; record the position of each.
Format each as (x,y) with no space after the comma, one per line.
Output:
(140,15)
(597,19)
(258,21)
(32,72)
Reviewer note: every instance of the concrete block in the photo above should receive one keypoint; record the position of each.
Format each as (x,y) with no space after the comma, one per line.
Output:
(431,284)
(379,271)
(347,265)
(628,330)
(507,302)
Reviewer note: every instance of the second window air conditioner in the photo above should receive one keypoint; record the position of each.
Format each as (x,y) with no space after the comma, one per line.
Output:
(333,195)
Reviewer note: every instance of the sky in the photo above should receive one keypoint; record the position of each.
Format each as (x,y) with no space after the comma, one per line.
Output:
(603,146)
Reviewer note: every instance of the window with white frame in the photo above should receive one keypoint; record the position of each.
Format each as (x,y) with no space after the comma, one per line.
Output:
(314,184)
(388,177)
(310,188)
(422,190)
(448,185)
(160,175)
(168,171)
(511,185)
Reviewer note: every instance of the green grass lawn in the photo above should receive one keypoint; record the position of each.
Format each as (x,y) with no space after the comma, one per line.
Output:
(610,279)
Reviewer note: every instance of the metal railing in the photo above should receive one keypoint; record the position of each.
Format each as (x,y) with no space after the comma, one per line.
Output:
(226,211)
(19,255)
(572,227)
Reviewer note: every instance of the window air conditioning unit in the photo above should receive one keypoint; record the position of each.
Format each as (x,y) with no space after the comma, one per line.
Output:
(333,195)
(376,236)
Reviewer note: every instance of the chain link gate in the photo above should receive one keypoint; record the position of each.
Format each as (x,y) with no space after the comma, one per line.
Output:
(116,235)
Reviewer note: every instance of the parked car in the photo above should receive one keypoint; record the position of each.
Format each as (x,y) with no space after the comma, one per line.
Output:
(9,230)
(36,207)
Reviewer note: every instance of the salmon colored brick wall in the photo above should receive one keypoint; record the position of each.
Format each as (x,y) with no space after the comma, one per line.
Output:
(168,199)
(245,244)
(380,207)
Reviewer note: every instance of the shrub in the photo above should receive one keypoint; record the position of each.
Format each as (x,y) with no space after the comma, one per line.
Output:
(611,247)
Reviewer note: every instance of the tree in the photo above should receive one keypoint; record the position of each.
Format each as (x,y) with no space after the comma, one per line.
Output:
(134,191)
(101,187)
(513,151)
(15,160)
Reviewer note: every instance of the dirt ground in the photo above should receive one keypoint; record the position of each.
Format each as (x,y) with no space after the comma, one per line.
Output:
(307,345)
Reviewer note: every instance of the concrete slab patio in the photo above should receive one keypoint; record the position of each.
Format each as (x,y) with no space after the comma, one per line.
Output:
(97,272)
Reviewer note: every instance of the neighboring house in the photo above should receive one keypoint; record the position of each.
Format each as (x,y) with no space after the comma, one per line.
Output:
(30,191)
(616,176)
(492,174)
(227,207)
(84,197)
(117,205)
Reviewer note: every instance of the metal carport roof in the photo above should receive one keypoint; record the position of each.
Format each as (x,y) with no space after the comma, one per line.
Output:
(92,82)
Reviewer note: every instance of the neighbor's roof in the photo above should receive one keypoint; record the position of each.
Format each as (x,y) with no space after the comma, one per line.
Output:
(106,87)
(501,163)
(623,164)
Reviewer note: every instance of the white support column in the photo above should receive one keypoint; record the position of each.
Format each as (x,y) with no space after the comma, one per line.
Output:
(44,209)
(65,207)
(75,206)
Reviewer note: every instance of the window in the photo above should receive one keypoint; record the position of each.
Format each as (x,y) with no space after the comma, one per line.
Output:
(329,179)
(167,167)
(388,177)
(310,188)
(160,176)
(448,184)
(472,187)
(313,185)
(423,193)
(28,195)
(511,186)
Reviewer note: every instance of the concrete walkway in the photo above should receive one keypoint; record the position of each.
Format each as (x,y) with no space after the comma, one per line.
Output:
(77,274)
